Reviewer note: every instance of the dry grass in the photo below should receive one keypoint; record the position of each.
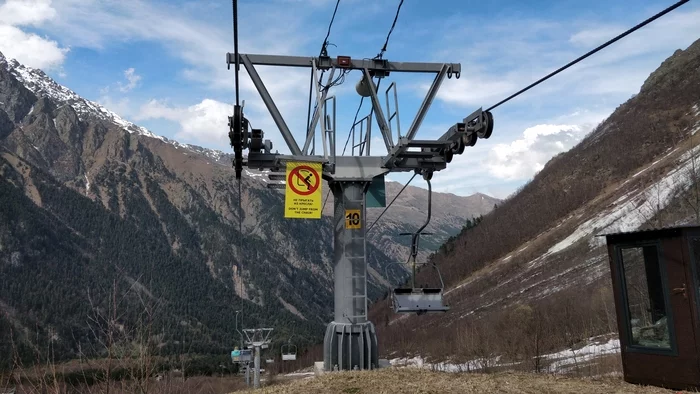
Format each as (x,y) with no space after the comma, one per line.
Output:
(194,385)
(419,381)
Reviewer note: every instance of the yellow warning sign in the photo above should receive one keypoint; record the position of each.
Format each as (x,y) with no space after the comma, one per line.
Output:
(353,220)
(302,197)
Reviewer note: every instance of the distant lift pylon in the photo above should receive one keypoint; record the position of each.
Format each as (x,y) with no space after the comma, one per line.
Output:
(419,299)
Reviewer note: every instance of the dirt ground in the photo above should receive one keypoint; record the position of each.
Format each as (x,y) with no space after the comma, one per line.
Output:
(424,382)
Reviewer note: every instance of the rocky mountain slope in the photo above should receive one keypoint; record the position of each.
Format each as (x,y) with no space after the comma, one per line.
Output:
(519,279)
(95,207)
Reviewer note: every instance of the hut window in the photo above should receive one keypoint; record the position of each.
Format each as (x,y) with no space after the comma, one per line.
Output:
(647,320)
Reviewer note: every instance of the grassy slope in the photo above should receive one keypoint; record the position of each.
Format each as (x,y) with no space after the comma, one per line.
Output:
(420,381)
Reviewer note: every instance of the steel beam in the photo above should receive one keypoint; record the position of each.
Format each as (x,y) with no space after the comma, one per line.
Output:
(355,64)
(320,99)
(358,168)
(274,161)
(274,111)
(427,101)
(352,167)
(381,120)
(393,156)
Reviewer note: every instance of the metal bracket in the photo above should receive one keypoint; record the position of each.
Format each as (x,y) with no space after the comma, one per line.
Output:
(271,107)
(427,101)
(320,99)
(380,67)
(257,336)
(394,114)
(364,137)
(433,155)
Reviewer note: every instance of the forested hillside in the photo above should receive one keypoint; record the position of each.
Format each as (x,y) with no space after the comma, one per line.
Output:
(532,275)
(109,229)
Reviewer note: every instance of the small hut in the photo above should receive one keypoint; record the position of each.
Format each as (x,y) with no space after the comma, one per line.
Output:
(655,277)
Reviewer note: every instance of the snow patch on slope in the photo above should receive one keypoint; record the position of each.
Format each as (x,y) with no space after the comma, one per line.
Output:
(636,208)
(559,362)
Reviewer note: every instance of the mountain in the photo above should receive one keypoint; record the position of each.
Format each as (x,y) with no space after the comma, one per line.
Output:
(533,274)
(103,219)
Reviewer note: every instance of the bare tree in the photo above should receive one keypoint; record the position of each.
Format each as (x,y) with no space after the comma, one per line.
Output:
(652,208)
(690,196)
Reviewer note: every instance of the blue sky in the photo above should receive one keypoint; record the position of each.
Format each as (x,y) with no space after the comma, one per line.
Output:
(162,65)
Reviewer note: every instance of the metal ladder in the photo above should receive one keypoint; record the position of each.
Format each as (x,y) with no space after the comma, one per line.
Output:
(358,280)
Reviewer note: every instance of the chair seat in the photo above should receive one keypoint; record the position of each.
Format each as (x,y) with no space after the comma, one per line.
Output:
(418,300)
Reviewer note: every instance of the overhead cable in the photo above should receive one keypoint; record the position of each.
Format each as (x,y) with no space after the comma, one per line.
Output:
(396,17)
(637,27)
(235,48)
(392,201)
(379,56)
(240,180)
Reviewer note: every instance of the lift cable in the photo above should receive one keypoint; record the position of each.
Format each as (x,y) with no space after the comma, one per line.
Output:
(362,99)
(235,48)
(392,201)
(642,24)
(323,52)
(379,56)
(240,180)
(328,33)
(639,26)
(396,17)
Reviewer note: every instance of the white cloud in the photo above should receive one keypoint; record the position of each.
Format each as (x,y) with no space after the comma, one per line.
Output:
(497,169)
(29,48)
(563,109)
(617,70)
(24,12)
(206,121)
(595,36)
(132,78)
(201,47)
(524,157)
(475,89)
(676,30)
(122,106)
(201,44)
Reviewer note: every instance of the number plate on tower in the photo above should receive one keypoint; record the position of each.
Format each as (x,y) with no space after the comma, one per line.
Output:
(352,219)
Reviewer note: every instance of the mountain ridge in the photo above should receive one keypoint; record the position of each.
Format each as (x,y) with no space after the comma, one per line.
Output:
(161,218)
(516,280)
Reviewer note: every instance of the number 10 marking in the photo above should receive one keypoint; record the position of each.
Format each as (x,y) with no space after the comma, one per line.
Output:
(353,219)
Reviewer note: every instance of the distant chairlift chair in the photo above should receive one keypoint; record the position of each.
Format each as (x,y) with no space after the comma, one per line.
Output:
(241,356)
(289,352)
(419,299)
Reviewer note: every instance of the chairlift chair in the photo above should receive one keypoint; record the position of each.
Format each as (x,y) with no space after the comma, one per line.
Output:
(419,299)
(415,299)
(242,356)
(289,351)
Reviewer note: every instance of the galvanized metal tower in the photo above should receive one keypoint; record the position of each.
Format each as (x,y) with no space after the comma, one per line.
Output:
(350,339)
(258,338)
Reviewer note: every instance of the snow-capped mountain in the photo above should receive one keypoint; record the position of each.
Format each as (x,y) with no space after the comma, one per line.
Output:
(42,85)
(96,200)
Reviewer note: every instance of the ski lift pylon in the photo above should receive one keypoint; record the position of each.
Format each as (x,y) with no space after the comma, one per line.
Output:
(419,299)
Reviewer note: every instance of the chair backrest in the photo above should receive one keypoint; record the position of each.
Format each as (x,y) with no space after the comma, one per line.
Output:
(246,355)
(418,300)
